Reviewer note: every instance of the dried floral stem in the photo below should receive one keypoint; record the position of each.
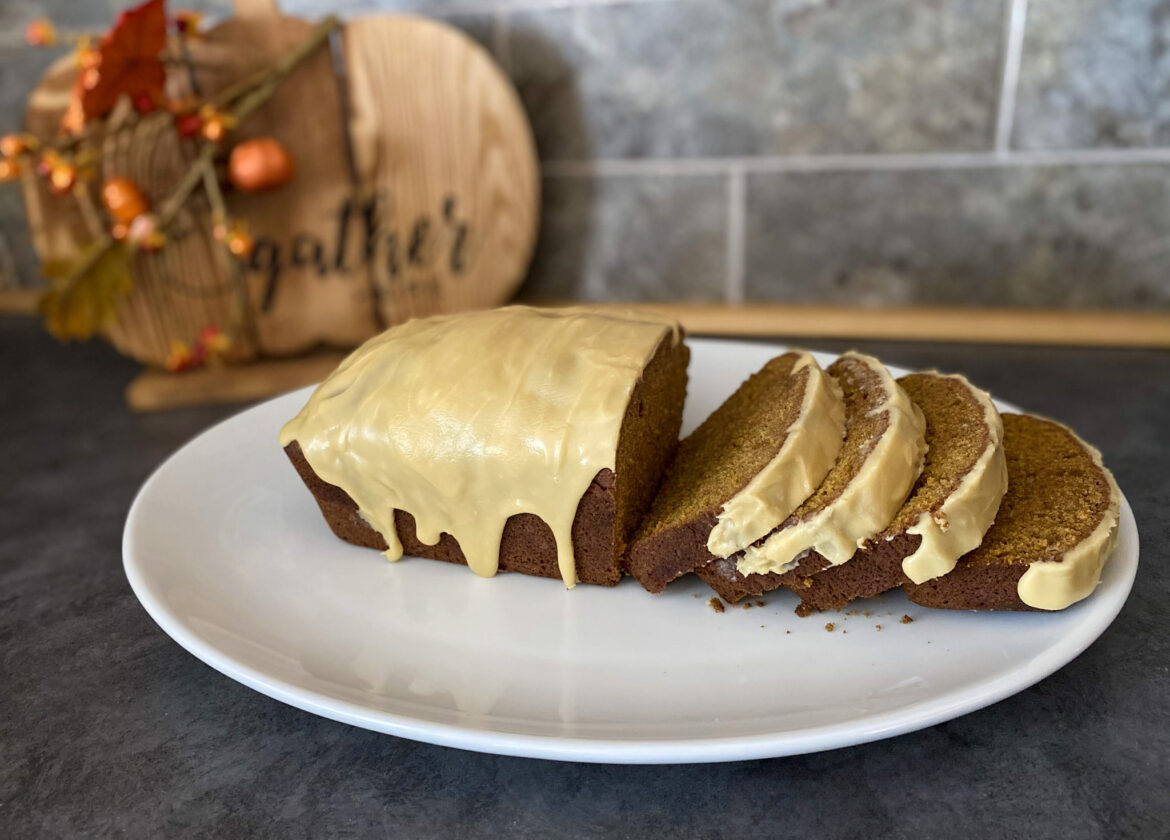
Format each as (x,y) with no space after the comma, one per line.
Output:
(269,76)
(170,207)
(247,96)
(89,212)
(241,313)
(182,190)
(97,249)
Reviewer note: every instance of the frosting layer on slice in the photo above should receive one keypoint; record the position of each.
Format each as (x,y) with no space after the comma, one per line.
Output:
(811,445)
(742,471)
(1053,584)
(880,459)
(1054,531)
(959,523)
(951,506)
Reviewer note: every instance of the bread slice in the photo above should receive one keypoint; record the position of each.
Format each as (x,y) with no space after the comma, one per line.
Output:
(1055,529)
(743,471)
(881,458)
(952,505)
(535,436)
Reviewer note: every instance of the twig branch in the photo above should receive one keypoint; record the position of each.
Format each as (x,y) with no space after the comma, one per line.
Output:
(88,211)
(268,75)
(241,313)
(248,96)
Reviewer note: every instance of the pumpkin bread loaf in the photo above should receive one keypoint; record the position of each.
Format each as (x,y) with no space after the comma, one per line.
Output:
(1056,527)
(517,439)
(743,471)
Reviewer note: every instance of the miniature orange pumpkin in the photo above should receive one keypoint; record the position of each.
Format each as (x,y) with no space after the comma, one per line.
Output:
(124,199)
(260,164)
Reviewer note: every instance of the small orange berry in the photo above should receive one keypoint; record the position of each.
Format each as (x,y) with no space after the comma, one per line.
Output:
(213,341)
(41,33)
(240,243)
(12,145)
(9,169)
(181,356)
(87,56)
(214,129)
(62,177)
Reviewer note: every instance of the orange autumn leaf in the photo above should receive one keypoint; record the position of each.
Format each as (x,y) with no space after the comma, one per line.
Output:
(125,62)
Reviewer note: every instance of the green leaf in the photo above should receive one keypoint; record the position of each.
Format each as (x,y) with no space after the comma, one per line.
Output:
(85,294)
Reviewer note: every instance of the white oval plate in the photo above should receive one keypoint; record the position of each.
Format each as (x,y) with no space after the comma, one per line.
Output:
(228,553)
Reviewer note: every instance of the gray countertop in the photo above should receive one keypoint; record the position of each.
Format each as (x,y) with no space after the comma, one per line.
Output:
(109,728)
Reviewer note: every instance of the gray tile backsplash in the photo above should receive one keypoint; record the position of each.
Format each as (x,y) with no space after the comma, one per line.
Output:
(757,77)
(631,238)
(863,133)
(1095,73)
(1037,237)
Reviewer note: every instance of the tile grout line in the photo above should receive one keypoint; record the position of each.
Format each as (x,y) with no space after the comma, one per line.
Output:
(616,167)
(736,215)
(1010,79)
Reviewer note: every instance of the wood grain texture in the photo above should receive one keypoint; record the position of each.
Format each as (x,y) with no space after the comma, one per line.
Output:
(255,8)
(186,286)
(155,390)
(1068,327)
(299,300)
(416,190)
(19,301)
(441,141)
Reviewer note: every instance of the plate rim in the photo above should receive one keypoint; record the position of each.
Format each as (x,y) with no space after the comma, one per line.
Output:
(865,729)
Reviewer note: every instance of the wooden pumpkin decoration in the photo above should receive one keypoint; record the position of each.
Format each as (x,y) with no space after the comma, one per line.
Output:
(415,192)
